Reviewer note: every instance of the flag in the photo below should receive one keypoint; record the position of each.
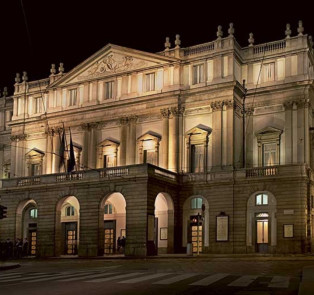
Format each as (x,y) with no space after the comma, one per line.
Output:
(62,149)
(71,163)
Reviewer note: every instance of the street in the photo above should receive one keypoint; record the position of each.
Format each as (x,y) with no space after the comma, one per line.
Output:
(154,276)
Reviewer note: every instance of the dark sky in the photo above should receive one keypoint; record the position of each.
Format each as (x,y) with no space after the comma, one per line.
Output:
(36,33)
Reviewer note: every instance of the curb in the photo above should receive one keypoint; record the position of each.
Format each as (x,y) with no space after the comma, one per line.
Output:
(7,266)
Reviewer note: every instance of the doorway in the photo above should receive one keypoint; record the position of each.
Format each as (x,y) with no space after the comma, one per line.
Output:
(262,232)
(110,237)
(70,234)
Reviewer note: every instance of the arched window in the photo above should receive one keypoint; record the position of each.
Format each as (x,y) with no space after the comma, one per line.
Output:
(109,209)
(69,211)
(196,203)
(33,213)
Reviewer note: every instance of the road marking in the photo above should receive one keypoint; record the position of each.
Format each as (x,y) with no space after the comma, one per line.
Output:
(9,274)
(54,276)
(243,281)
(210,279)
(279,282)
(29,277)
(145,278)
(87,277)
(176,279)
(115,277)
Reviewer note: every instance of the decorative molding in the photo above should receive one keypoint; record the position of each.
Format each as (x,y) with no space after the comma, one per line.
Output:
(177,111)
(111,64)
(216,105)
(165,113)
(18,137)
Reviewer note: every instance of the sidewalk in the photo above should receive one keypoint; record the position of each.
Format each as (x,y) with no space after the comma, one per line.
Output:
(8,265)
(307,284)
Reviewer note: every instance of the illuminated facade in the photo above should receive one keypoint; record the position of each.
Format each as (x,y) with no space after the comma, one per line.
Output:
(164,154)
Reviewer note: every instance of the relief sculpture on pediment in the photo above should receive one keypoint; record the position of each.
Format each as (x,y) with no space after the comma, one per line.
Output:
(111,64)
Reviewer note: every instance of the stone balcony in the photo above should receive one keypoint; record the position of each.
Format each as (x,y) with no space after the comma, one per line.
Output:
(147,170)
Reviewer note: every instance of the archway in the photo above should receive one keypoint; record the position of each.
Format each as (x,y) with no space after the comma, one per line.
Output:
(26,226)
(164,216)
(261,227)
(195,223)
(112,224)
(67,226)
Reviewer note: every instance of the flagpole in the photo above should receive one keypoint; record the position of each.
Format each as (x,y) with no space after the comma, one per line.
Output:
(65,147)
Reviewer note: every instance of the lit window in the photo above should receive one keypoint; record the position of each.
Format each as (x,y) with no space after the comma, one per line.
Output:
(69,211)
(109,90)
(261,199)
(108,209)
(269,72)
(196,203)
(198,74)
(150,82)
(33,213)
(270,154)
(72,97)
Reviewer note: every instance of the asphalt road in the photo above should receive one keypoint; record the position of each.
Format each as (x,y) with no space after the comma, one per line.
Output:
(154,276)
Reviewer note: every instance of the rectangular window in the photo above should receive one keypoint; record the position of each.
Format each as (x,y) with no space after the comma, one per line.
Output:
(197,158)
(269,72)
(35,169)
(269,154)
(261,199)
(150,82)
(37,105)
(198,74)
(108,161)
(109,90)
(72,97)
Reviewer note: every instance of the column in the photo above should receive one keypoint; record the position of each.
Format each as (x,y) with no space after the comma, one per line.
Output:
(165,137)
(131,140)
(306,132)
(249,137)
(123,142)
(13,155)
(20,155)
(56,150)
(173,159)
(85,140)
(230,132)
(224,134)
(294,125)
(1,160)
(216,106)
(180,135)
(288,133)
(92,150)
(48,156)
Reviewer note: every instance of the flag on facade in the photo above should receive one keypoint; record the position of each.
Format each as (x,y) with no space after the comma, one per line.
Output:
(71,163)
(62,149)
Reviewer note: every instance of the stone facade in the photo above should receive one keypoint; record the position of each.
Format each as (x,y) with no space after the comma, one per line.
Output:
(161,139)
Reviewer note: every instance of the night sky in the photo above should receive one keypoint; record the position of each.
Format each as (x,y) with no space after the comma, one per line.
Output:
(37,33)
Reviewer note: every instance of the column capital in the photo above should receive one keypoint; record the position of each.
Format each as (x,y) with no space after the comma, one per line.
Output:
(132,118)
(124,120)
(90,125)
(18,137)
(177,111)
(216,105)
(165,113)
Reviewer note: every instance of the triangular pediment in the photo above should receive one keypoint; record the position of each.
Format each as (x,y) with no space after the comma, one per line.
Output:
(269,130)
(34,153)
(149,135)
(111,60)
(109,142)
(199,129)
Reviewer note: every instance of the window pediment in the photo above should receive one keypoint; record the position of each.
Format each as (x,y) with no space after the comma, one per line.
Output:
(109,142)
(34,153)
(269,132)
(200,129)
(150,135)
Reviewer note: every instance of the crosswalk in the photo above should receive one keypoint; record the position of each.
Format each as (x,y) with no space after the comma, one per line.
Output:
(120,277)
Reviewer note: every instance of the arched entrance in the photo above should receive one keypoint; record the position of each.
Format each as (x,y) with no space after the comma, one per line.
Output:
(195,223)
(261,225)
(67,226)
(26,226)
(164,223)
(112,224)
